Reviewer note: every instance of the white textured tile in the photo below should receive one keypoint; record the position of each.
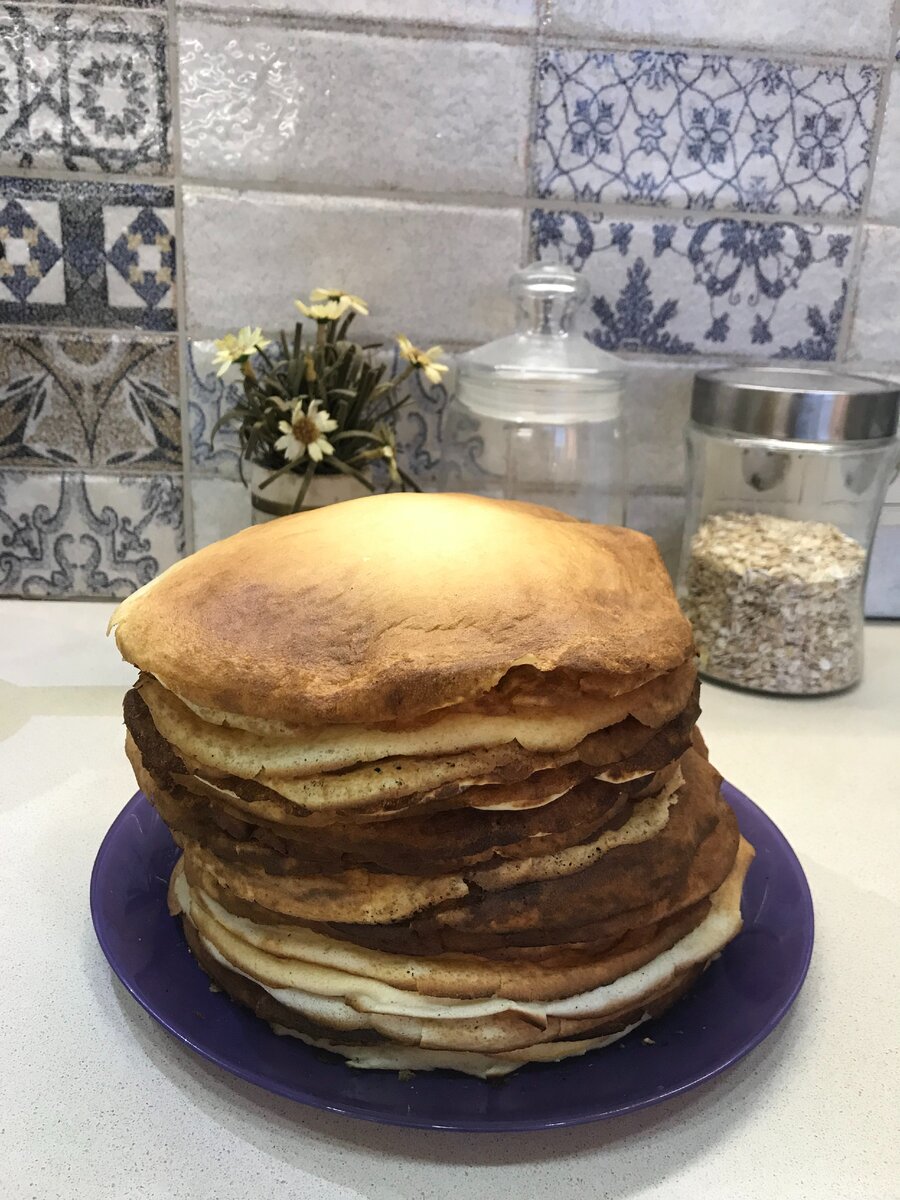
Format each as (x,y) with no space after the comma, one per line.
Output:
(287,106)
(860,28)
(656,407)
(884,200)
(662,516)
(874,332)
(435,272)
(486,14)
(883,583)
(221,507)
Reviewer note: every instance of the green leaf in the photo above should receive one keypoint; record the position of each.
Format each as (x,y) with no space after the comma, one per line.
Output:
(343,393)
(392,408)
(277,474)
(408,479)
(345,325)
(231,415)
(362,434)
(304,487)
(346,469)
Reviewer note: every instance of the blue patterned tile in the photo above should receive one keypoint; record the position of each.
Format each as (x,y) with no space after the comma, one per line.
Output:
(418,425)
(70,535)
(703,131)
(700,285)
(83,90)
(79,4)
(209,397)
(95,254)
(883,583)
(89,400)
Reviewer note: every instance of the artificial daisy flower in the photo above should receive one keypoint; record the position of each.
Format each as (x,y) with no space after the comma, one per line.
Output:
(238,347)
(425,360)
(305,433)
(355,302)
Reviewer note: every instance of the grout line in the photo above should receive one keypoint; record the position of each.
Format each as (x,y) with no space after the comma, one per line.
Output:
(156,10)
(492,200)
(102,470)
(658,212)
(311,190)
(621,44)
(180,279)
(421,30)
(205,333)
(640,490)
(636,358)
(123,333)
(854,274)
(533,102)
(425,29)
(486,200)
(61,175)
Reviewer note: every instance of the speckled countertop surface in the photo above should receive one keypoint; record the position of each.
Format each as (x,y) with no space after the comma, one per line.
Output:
(99,1103)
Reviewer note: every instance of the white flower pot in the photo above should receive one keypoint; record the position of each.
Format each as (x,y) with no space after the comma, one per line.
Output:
(277,500)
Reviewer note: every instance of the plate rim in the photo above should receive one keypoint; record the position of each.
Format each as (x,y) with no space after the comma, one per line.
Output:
(353,1109)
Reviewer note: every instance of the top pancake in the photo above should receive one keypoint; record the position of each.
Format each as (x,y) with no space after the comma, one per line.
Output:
(386,608)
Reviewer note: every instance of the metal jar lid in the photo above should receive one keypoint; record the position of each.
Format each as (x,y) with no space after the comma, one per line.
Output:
(796,405)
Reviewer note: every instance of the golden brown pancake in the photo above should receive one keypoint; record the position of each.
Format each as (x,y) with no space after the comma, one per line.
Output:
(397,605)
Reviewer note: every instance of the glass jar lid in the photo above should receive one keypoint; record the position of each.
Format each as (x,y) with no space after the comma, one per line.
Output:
(543,372)
(800,405)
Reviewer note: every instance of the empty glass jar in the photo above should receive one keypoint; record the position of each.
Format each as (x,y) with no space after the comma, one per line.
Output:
(787,475)
(536,415)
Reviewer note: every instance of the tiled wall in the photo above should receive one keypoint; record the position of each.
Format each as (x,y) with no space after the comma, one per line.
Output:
(726,176)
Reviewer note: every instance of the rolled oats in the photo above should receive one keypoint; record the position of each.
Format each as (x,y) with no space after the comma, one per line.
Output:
(776,604)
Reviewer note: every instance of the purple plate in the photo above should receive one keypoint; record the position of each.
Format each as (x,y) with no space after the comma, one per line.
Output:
(737,1002)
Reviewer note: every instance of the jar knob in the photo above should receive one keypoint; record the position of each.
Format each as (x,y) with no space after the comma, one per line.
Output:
(547,296)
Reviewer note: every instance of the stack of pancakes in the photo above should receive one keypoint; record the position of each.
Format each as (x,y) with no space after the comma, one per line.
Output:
(432,763)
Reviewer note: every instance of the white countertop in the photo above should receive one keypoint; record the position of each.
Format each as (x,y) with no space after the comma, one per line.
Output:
(97,1101)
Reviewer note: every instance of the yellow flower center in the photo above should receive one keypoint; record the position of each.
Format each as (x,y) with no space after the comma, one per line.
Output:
(305,430)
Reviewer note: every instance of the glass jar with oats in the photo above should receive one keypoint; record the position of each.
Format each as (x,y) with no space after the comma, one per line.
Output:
(787,475)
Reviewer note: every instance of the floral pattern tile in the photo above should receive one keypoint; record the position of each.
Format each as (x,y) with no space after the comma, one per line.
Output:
(78,4)
(89,400)
(68,535)
(89,254)
(696,130)
(704,285)
(209,398)
(83,90)
(418,425)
